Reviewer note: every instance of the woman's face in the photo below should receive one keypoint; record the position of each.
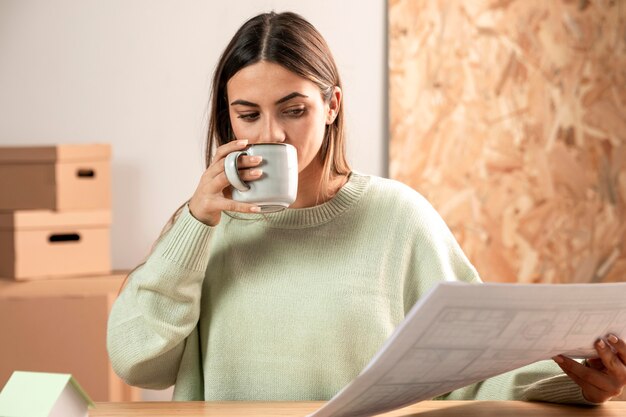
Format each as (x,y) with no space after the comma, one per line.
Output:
(268,103)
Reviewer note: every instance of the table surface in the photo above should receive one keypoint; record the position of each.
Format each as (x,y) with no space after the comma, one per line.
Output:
(301,409)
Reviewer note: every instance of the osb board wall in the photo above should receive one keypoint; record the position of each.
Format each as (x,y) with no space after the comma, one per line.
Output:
(510,117)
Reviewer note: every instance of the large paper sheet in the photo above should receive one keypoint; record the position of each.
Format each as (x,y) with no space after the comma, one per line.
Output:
(460,334)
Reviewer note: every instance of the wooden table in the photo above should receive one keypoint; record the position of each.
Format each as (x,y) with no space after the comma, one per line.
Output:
(301,409)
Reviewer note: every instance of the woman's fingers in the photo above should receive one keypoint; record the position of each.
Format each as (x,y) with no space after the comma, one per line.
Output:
(221,203)
(590,391)
(225,149)
(612,360)
(619,345)
(211,196)
(231,205)
(243,162)
(220,181)
(604,377)
(591,377)
(595,363)
(249,161)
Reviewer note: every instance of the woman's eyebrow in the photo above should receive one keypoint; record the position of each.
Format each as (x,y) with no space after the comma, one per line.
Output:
(244,103)
(290,96)
(282,100)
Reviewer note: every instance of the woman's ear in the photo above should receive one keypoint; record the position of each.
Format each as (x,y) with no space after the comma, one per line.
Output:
(333,105)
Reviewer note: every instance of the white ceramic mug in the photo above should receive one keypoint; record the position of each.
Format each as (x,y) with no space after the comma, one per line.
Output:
(277,187)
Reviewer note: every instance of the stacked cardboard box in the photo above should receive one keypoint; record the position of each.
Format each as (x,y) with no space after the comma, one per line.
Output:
(55,205)
(55,263)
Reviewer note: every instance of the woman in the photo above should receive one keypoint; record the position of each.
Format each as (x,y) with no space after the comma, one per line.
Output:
(235,305)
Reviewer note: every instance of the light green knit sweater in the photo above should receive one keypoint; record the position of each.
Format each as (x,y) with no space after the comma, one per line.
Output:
(293,305)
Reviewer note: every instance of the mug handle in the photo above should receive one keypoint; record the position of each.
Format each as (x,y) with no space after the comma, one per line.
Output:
(232,171)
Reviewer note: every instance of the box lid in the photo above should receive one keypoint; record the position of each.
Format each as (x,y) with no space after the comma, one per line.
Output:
(38,219)
(53,153)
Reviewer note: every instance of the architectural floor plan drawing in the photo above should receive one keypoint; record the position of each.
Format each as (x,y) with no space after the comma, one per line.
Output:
(460,334)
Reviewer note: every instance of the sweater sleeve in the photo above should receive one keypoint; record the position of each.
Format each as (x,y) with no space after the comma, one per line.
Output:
(434,254)
(159,307)
(540,381)
(437,257)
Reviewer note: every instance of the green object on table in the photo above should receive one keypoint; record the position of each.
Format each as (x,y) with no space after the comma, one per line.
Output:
(34,394)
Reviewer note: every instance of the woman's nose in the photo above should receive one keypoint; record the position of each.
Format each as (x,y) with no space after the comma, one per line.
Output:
(271,131)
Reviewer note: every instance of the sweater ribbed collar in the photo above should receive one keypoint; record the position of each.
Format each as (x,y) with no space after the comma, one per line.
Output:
(297,218)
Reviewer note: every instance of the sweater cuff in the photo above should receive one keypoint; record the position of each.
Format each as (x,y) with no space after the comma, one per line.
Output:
(187,242)
(558,389)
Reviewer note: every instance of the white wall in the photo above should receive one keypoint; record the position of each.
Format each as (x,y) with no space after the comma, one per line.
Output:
(136,74)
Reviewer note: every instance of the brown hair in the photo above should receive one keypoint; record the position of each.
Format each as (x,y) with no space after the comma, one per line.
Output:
(286,39)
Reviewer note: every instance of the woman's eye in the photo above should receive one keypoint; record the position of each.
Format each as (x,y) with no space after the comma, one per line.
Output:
(249,117)
(297,112)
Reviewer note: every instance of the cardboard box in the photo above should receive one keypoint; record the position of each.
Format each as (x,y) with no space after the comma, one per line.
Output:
(61,177)
(37,244)
(60,326)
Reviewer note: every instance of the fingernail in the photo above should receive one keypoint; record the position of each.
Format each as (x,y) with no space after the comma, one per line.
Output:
(612,338)
(558,359)
(601,344)
(256,158)
(255,172)
(242,142)
(255,209)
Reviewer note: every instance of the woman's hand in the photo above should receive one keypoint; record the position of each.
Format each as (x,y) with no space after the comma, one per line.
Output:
(603,377)
(208,201)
